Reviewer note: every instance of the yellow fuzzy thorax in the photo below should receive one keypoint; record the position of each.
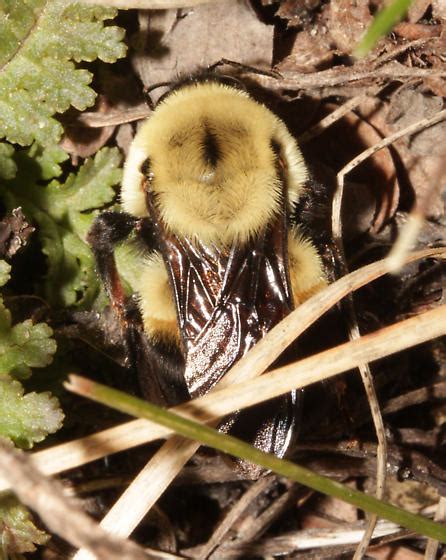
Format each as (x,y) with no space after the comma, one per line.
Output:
(212,155)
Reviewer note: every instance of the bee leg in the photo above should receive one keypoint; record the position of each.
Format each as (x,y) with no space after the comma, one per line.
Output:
(108,230)
(159,369)
(160,372)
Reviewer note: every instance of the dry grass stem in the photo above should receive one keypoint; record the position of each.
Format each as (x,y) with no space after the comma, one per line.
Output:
(214,510)
(136,432)
(331,362)
(381,452)
(368,348)
(60,513)
(303,540)
(125,517)
(406,239)
(397,258)
(404,243)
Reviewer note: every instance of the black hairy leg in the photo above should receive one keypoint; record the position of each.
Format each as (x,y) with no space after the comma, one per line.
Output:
(312,213)
(159,369)
(108,230)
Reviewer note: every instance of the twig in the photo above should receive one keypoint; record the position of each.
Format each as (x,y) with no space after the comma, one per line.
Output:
(418,466)
(334,116)
(60,513)
(232,516)
(435,391)
(341,75)
(250,529)
(400,49)
(93,119)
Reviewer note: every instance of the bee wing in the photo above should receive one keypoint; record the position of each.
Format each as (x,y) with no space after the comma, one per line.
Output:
(227,300)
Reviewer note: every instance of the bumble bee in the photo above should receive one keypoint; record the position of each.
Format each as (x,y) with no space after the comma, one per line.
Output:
(210,183)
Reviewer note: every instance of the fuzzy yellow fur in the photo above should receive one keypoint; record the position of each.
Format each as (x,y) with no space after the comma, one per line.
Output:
(157,303)
(306,272)
(231,200)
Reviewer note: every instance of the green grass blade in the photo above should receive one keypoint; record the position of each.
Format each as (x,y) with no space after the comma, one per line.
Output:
(383,23)
(228,444)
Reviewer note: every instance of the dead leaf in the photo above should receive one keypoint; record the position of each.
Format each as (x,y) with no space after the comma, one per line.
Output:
(414,31)
(347,23)
(375,115)
(83,142)
(394,552)
(417,10)
(439,9)
(422,154)
(437,86)
(411,495)
(297,12)
(124,137)
(14,233)
(414,106)
(312,50)
(373,190)
(175,42)
(121,100)
(336,509)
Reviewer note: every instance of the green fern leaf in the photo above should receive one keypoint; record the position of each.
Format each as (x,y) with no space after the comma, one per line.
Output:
(27,418)
(62,214)
(8,168)
(5,270)
(17,530)
(39,42)
(24,345)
